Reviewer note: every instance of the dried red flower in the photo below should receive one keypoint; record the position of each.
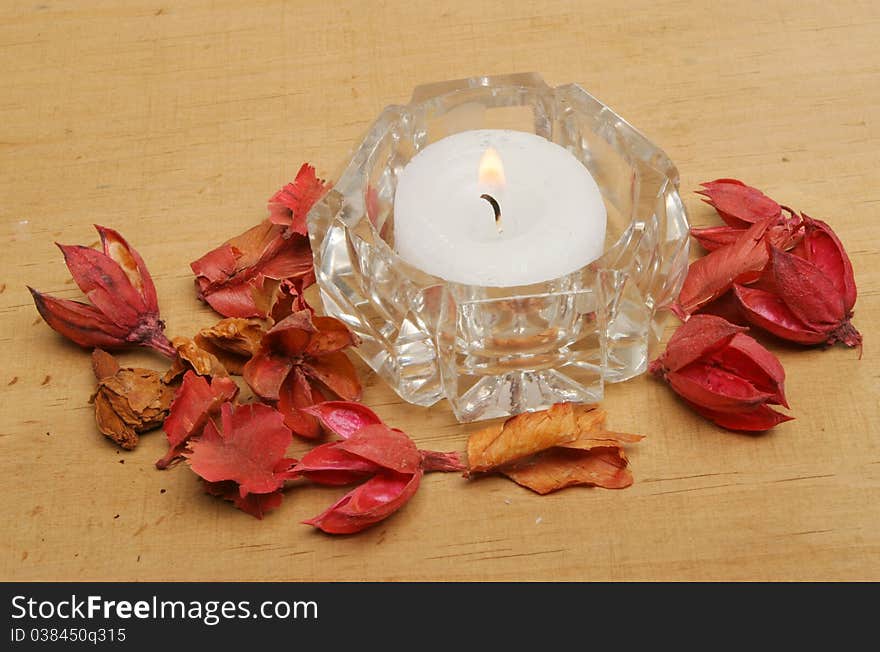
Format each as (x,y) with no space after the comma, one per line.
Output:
(290,205)
(299,359)
(723,374)
(241,277)
(124,310)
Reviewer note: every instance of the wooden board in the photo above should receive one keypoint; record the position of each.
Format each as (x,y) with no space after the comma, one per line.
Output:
(173,122)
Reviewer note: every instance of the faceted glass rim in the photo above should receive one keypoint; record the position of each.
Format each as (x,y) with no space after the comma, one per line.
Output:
(433,92)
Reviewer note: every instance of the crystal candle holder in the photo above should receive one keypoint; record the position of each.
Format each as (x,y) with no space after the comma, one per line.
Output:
(494,351)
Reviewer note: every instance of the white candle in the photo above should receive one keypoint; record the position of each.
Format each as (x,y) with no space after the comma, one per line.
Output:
(552,214)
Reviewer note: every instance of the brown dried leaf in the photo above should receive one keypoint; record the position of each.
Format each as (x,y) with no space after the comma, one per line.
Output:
(129,401)
(530,433)
(232,341)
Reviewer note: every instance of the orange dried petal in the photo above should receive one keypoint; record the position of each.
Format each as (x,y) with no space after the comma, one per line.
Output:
(233,341)
(191,356)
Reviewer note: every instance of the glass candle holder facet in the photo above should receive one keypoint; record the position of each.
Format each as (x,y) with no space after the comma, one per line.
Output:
(495,351)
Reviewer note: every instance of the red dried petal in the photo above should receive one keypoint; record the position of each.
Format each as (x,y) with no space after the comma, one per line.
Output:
(738,204)
(296,393)
(807,291)
(712,275)
(368,504)
(822,247)
(386,447)
(715,237)
(265,374)
(330,465)
(744,357)
(116,247)
(344,418)
(105,284)
(79,322)
(330,335)
(291,336)
(715,388)
(768,311)
(246,449)
(337,373)
(196,401)
(759,419)
(290,205)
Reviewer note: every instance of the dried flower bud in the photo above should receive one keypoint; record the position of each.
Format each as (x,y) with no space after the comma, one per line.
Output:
(124,310)
(128,400)
(725,375)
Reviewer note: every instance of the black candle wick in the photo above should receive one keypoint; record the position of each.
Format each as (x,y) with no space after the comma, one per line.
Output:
(495,206)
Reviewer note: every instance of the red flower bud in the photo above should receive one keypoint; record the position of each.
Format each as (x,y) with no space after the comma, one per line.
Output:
(799,301)
(723,374)
(124,310)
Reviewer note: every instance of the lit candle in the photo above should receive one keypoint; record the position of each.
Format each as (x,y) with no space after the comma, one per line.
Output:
(498,208)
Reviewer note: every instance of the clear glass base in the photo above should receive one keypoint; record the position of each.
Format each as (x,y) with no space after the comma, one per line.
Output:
(493,351)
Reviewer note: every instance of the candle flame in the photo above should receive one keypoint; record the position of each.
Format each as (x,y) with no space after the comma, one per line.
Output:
(491,168)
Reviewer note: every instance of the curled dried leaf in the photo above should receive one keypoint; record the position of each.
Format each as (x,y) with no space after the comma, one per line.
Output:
(530,433)
(128,400)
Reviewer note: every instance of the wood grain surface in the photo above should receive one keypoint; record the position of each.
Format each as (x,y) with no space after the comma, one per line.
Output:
(175,121)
